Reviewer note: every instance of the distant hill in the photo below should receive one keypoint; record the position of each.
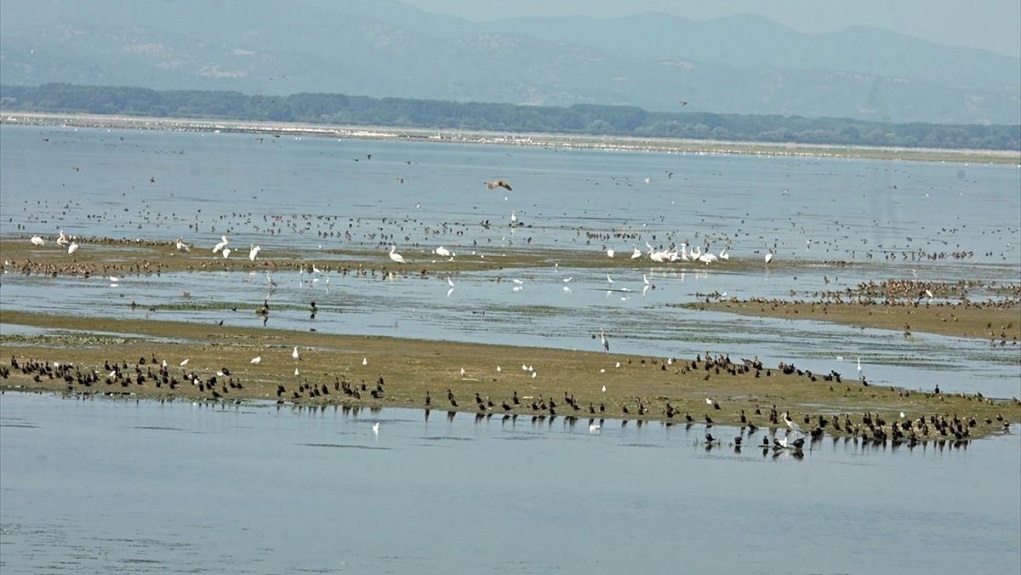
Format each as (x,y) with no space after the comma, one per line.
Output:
(383,48)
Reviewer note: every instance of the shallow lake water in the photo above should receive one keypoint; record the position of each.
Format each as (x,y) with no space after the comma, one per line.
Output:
(104,486)
(112,486)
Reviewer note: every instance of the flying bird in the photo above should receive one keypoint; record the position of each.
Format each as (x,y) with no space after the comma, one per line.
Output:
(493,184)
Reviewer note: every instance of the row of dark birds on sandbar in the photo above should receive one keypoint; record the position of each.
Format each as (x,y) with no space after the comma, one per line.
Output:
(153,377)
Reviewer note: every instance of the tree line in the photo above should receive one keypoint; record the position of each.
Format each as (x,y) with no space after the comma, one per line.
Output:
(589,119)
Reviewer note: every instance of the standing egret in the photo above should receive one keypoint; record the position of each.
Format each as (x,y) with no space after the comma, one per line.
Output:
(593,428)
(442,252)
(396,256)
(769,257)
(62,240)
(253,252)
(636,254)
(37,241)
(604,341)
(375,429)
(610,252)
(724,255)
(223,243)
(295,353)
(226,253)
(256,359)
(72,248)
(181,246)
(365,361)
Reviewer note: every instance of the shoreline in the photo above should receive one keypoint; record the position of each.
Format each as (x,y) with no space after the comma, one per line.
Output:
(524,139)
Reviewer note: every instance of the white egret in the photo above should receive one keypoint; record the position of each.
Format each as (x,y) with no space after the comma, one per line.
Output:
(724,255)
(183,363)
(610,252)
(604,341)
(442,252)
(72,248)
(636,254)
(38,241)
(769,257)
(375,429)
(609,279)
(296,373)
(114,279)
(462,372)
(256,359)
(253,252)
(365,361)
(62,240)
(226,253)
(593,428)
(396,256)
(181,246)
(223,243)
(295,353)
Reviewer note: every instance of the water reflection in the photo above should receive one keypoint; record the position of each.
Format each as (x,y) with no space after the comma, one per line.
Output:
(103,486)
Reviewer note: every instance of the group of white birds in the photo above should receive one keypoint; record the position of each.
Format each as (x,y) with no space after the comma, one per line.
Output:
(62,241)
(222,247)
(672,254)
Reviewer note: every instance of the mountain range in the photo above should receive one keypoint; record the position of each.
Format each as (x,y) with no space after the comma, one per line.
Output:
(384,48)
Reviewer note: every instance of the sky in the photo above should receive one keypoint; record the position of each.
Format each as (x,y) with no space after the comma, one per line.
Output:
(993,25)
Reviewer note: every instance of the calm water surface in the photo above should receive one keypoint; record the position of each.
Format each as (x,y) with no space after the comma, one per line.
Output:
(108,486)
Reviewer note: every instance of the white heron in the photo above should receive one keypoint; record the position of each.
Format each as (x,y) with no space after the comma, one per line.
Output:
(724,255)
(396,256)
(72,248)
(365,361)
(604,341)
(37,241)
(593,428)
(295,353)
(222,244)
(256,359)
(226,253)
(181,246)
(442,252)
(375,429)
(610,252)
(183,363)
(769,257)
(636,254)
(609,279)
(253,252)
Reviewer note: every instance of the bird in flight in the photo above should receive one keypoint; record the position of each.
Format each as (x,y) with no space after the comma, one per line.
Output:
(493,184)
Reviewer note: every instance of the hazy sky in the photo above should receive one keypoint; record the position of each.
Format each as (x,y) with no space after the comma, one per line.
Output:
(993,25)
